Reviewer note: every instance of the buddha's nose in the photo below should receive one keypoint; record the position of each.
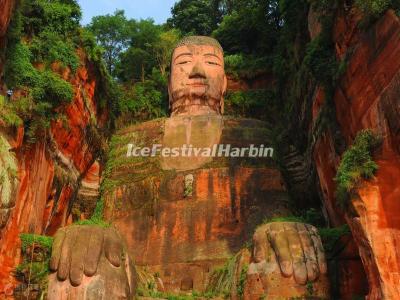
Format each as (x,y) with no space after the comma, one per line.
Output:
(197,71)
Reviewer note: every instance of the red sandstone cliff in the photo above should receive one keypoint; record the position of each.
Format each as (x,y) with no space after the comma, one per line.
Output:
(6,7)
(368,97)
(51,173)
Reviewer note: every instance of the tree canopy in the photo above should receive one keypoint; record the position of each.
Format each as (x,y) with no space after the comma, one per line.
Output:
(113,33)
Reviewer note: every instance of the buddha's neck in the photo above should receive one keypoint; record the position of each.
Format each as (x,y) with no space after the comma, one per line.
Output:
(194,110)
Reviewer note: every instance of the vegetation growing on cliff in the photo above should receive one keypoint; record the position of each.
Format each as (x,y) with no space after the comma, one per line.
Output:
(356,165)
(8,174)
(40,35)
(28,240)
(8,114)
(250,104)
(330,237)
(230,279)
(373,9)
(34,268)
(44,44)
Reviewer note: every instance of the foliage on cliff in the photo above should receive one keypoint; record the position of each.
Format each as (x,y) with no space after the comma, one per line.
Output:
(373,9)
(44,50)
(249,104)
(34,268)
(357,164)
(8,174)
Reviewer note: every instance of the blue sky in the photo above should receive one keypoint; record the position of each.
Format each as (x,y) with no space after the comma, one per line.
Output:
(159,10)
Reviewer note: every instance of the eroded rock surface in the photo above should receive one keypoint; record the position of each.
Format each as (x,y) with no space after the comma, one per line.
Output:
(49,172)
(368,97)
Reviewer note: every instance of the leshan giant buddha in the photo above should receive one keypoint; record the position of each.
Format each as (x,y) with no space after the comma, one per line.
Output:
(182,216)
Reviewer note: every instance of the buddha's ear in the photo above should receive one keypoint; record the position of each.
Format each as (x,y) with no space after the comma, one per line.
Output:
(169,94)
(225,86)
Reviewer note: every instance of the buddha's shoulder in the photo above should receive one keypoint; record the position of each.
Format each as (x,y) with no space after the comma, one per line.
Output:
(231,127)
(238,122)
(151,126)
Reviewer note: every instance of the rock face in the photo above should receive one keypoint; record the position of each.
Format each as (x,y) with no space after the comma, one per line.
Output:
(6,8)
(50,172)
(181,223)
(368,97)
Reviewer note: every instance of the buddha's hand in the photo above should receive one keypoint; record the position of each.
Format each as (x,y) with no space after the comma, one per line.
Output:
(295,247)
(77,250)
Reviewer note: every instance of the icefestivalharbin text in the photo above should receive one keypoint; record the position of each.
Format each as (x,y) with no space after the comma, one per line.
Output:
(217,150)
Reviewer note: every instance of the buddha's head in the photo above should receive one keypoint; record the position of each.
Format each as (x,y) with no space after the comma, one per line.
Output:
(197,83)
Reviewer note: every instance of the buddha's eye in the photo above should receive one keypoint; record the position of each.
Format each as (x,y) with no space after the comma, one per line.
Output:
(213,63)
(183,62)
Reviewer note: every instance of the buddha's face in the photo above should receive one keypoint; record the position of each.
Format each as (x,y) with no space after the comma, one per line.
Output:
(198,81)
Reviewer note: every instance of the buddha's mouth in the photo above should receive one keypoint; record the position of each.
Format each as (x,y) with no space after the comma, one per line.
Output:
(197,83)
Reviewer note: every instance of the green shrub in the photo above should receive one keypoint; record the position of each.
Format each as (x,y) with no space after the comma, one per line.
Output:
(44,86)
(19,71)
(8,173)
(34,268)
(357,164)
(310,216)
(97,217)
(59,16)
(242,281)
(222,278)
(331,236)
(321,61)
(30,239)
(53,89)
(245,66)
(8,113)
(37,272)
(284,219)
(373,8)
(49,46)
(250,104)
(146,100)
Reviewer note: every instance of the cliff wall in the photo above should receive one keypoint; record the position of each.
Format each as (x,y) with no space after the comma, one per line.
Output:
(53,174)
(367,97)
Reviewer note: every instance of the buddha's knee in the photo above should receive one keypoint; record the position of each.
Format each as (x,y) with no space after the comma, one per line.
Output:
(90,263)
(288,261)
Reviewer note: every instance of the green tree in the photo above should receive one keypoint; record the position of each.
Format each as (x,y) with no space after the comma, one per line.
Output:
(194,17)
(138,60)
(134,64)
(252,27)
(112,32)
(163,48)
(145,100)
(150,46)
(144,33)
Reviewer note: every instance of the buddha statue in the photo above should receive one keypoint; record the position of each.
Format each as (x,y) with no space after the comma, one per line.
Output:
(184,194)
